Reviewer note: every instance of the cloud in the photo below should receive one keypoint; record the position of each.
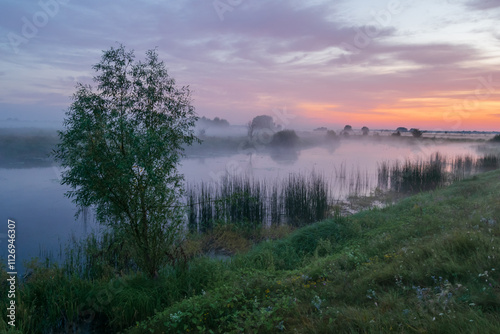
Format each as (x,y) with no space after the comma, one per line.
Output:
(430,54)
(264,54)
(483,4)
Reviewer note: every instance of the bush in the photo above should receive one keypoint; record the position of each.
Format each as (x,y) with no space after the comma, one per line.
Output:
(416,133)
(496,139)
(285,138)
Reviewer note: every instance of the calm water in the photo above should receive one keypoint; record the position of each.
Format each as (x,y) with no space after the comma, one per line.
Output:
(35,199)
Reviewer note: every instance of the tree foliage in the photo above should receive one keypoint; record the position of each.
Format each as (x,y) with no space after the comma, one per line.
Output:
(416,133)
(121,146)
(285,138)
(259,123)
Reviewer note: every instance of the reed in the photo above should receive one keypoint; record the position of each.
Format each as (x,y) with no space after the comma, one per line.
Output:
(424,175)
(252,204)
(416,176)
(97,256)
(461,167)
(487,163)
(383,175)
(305,199)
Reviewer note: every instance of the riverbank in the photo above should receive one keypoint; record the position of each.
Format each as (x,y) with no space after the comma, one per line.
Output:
(428,263)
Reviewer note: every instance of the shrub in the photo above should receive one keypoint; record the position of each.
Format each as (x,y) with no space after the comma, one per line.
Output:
(285,138)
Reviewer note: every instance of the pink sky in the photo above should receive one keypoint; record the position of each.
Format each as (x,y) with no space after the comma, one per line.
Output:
(381,64)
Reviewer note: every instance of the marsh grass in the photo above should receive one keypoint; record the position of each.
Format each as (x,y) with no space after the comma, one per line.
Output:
(495,139)
(426,264)
(248,203)
(100,256)
(436,171)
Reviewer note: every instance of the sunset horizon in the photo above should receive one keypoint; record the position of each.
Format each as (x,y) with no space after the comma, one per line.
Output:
(381,64)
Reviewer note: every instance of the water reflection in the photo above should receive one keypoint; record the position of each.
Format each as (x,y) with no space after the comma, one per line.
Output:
(284,156)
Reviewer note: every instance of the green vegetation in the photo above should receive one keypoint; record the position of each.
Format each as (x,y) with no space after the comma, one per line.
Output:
(427,264)
(495,139)
(436,171)
(121,146)
(251,204)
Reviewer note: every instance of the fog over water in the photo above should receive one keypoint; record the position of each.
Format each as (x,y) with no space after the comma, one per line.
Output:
(35,198)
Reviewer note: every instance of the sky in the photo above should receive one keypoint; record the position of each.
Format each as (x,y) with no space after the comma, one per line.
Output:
(428,64)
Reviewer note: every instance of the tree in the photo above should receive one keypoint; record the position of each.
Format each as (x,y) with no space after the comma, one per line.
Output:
(416,133)
(258,123)
(347,130)
(365,130)
(121,146)
(285,139)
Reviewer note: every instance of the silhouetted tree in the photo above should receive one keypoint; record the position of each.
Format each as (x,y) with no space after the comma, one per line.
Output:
(365,130)
(285,138)
(260,123)
(416,133)
(330,135)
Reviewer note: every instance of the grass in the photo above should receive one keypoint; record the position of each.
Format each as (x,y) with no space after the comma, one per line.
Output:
(423,175)
(427,264)
(251,204)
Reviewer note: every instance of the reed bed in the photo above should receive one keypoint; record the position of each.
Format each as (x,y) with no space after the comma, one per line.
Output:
(423,175)
(241,200)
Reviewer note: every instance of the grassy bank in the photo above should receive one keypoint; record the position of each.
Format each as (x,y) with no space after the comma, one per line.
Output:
(427,264)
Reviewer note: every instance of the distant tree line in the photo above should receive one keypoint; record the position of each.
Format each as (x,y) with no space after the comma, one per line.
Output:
(216,122)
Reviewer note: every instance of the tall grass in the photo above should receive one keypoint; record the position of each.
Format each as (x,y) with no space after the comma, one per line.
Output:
(305,199)
(424,175)
(462,167)
(97,256)
(411,177)
(251,204)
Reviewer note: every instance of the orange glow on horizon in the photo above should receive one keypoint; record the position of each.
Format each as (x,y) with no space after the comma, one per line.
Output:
(426,113)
